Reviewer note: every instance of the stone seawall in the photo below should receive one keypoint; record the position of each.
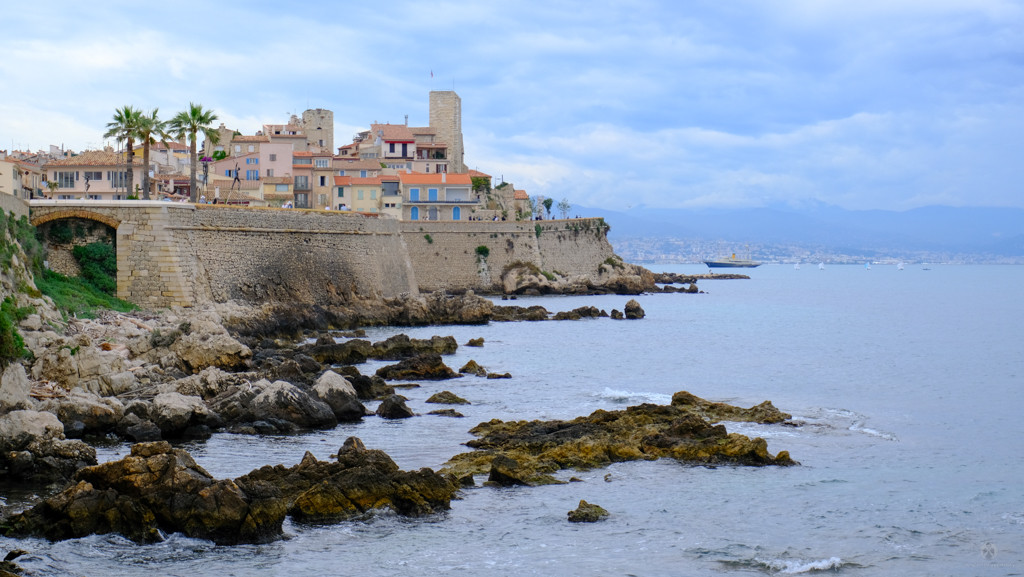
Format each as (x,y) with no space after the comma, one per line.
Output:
(444,254)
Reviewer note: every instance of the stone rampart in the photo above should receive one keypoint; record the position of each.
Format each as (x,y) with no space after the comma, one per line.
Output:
(13,204)
(448,259)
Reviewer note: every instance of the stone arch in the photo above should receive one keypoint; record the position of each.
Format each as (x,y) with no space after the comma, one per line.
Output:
(79,213)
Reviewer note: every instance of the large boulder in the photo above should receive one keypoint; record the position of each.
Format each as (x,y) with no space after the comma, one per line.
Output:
(346,353)
(633,310)
(208,344)
(157,490)
(401,347)
(587,513)
(15,388)
(33,449)
(421,367)
(174,414)
(272,402)
(96,414)
(340,396)
(103,372)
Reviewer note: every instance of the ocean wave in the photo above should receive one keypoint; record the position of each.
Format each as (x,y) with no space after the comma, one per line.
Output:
(794,566)
(858,427)
(633,397)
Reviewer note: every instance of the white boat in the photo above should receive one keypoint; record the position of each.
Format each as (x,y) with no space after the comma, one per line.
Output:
(821,266)
(899,266)
(867,266)
(796,266)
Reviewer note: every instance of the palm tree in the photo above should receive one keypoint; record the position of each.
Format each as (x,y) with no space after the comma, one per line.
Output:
(125,126)
(151,130)
(189,123)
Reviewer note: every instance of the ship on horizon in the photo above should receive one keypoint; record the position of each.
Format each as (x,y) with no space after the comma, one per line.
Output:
(732,262)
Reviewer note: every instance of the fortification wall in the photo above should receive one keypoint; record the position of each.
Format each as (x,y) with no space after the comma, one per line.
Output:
(448,259)
(296,256)
(13,204)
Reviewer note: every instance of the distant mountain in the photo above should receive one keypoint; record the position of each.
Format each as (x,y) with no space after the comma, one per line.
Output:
(969,229)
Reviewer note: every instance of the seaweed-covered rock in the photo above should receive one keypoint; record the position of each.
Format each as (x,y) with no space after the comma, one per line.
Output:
(447,398)
(360,481)
(587,513)
(394,407)
(447,413)
(473,368)
(616,314)
(346,353)
(764,413)
(402,347)
(633,310)
(478,342)
(645,431)
(426,367)
(156,489)
(499,375)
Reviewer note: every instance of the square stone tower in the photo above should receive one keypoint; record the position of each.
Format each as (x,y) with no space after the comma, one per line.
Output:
(446,118)
(318,125)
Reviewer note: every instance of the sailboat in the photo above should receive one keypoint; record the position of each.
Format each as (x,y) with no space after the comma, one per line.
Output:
(796,266)
(867,266)
(899,266)
(821,266)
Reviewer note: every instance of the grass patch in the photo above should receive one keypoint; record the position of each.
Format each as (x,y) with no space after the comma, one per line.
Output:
(99,265)
(78,297)
(12,346)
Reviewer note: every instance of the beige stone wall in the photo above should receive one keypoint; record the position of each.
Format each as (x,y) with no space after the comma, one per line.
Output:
(446,117)
(13,204)
(448,260)
(318,124)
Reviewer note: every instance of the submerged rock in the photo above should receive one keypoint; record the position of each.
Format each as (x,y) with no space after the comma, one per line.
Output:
(156,489)
(518,313)
(587,513)
(499,375)
(447,398)
(641,432)
(426,367)
(446,413)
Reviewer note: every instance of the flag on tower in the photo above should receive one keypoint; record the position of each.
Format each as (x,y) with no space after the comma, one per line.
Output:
(431,73)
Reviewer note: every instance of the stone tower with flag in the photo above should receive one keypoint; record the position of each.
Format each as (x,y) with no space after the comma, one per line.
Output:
(446,118)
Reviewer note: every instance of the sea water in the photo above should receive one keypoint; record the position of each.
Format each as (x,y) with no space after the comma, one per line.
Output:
(907,384)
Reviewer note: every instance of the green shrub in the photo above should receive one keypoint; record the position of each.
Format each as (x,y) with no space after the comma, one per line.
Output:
(430,239)
(548,275)
(98,261)
(537,228)
(12,346)
(483,251)
(60,232)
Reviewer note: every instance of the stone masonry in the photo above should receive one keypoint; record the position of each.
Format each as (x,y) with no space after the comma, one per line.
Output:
(446,117)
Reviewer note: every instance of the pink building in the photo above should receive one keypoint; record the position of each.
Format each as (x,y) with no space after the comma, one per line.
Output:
(95,174)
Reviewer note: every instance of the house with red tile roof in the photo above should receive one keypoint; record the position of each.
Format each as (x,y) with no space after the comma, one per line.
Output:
(94,174)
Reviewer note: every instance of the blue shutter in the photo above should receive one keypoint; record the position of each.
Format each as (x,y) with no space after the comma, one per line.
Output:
(456,213)
(414,214)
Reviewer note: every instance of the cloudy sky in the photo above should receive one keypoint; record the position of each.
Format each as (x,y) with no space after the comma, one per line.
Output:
(889,104)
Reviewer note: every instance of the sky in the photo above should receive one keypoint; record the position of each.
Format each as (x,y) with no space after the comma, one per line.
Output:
(873,104)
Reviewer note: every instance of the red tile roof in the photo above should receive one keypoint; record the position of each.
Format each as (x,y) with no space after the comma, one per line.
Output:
(277,180)
(95,158)
(342,180)
(478,174)
(357,181)
(392,132)
(521,195)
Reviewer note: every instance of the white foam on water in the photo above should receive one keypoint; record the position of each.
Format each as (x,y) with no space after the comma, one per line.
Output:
(794,566)
(858,427)
(633,397)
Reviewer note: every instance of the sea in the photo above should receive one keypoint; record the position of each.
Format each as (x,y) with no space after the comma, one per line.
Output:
(907,385)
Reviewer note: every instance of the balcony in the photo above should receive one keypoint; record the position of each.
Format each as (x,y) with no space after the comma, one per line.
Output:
(442,202)
(303,185)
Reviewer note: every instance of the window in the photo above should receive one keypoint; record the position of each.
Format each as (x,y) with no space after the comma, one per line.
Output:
(120,197)
(98,175)
(230,173)
(238,148)
(301,183)
(323,182)
(442,168)
(341,173)
(252,148)
(252,161)
(373,194)
(341,192)
(414,194)
(270,172)
(360,195)
(273,158)
(218,149)
(302,161)
(322,162)
(456,213)
(373,210)
(95,197)
(280,188)
(301,200)
(65,179)
(426,169)
(322,200)
(117,179)
(432,194)
(252,175)
(321,140)
(391,147)
(362,174)
(414,213)
(65,197)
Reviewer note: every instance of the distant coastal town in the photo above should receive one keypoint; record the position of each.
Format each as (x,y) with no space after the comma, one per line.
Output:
(408,172)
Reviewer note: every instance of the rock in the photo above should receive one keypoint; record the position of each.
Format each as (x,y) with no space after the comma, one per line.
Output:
(473,368)
(96,368)
(138,408)
(340,396)
(476,342)
(173,413)
(307,364)
(15,388)
(346,353)
(499,375)
(32,323)
(394,407)
(276,403)
(285,401)
(587,513)
(33,449)
(566,316)
(156,490)
(645,431)
(764,413)
(370,387)
(446,413)
(616,314)
(506,472)
(401,347)
(426,367)
(96,413)
(517,313)
(447,398)
(360,481)
(143,432)
(208,344)
(633,310)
